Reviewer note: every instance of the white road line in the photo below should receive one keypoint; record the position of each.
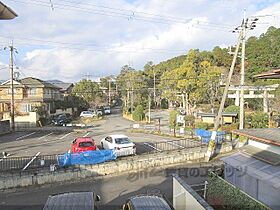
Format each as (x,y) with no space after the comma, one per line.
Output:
(86,134)
(65,135)
(46,135)
(152,147)
(21,137)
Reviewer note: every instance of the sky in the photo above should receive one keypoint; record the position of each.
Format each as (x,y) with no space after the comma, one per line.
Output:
(69,39)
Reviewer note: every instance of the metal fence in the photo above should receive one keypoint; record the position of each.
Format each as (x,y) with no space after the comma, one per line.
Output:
(169,145)
(19,163)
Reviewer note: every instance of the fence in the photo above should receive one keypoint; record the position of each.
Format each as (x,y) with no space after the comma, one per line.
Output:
(18,163)
(169,145)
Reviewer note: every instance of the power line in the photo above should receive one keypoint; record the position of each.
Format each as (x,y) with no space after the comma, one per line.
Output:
(130,15)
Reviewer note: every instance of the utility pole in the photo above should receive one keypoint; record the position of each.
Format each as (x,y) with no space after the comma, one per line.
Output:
(212,142)
(246,24)
(109,94)
(149,108)
(154,85)
(11,66)
(242,73)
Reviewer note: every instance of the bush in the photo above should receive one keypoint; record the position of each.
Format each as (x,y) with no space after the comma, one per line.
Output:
(202,125)
(172,118)
(164,104)
(232,109)
(189,119)
(258,120)
(138,114)
(230,127)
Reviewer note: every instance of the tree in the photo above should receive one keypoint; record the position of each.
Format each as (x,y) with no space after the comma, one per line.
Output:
(196,80)
(89,92)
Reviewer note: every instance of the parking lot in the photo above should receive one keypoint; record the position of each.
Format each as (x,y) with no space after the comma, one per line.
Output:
(49,141)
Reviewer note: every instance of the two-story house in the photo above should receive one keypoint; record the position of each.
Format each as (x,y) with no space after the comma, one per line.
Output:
(29,93)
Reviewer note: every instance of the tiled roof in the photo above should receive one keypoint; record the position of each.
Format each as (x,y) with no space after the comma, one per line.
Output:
(34,82)
(267,135)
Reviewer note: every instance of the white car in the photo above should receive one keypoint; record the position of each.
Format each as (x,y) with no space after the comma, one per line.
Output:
(107,110)
(87,114)
(120,144)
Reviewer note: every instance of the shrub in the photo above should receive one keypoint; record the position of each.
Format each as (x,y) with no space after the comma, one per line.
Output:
(138,114)
(232,109)
(164,104)
(258,120)
(172,118)
(202,125)
(189,119)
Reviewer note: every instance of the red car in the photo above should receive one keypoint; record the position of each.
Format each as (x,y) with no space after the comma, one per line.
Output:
(82,144)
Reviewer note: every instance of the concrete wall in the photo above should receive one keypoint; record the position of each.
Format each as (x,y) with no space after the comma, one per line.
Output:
(29,120)
(185,198)
(268,147)
(4,127)
(128,165)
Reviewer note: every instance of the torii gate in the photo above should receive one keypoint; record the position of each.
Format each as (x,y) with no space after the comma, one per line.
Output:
(265,95)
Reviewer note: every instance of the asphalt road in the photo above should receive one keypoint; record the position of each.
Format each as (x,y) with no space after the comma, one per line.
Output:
(57,142)
(114,190)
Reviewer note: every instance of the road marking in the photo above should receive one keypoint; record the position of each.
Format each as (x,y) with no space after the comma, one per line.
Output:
(86,134)
(46,135)
(152,146)
(65,135)
(21,137)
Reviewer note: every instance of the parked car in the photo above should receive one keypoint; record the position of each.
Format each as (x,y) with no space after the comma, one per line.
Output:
(87,114)
(72,200)
(107,110)
(120,143)
(82,144)
(147,202)
(61,120)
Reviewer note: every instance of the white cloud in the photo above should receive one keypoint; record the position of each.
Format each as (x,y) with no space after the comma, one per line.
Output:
(104,43)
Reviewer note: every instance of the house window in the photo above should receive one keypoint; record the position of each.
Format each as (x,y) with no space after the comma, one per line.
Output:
(10,91)
(32,91)
(26,108)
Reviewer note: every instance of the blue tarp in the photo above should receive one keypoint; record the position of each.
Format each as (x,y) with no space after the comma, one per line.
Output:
(205,135)
(86,158)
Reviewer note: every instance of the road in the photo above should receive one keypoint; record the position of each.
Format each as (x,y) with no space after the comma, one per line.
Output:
(114,190)
(57,142)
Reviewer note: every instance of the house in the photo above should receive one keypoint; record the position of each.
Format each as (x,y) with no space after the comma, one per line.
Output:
(29,93)
(65,89)
(255,169)
(228,118)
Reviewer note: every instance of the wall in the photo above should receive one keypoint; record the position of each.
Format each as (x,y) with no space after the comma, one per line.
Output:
(268,147)
(185,198)
(130,164)
(4,127)
(29,120)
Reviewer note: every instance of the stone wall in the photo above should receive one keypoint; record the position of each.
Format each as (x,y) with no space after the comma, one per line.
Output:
(127,165)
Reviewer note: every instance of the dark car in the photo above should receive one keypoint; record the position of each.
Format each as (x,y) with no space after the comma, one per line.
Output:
(61,120)
(72,200)
(147,202)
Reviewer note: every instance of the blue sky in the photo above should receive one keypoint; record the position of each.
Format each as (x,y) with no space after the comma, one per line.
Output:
(98,37)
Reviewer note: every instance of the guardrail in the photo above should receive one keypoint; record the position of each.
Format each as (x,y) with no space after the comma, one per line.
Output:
(27,163)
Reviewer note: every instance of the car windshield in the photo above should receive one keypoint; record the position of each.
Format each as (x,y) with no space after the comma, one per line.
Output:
(86,144)
(122,140)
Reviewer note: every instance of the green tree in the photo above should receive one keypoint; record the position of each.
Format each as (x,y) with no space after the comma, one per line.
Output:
(89,92)
(138,114)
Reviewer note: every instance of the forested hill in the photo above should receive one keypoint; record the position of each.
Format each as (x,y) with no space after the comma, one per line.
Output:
(262,54)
